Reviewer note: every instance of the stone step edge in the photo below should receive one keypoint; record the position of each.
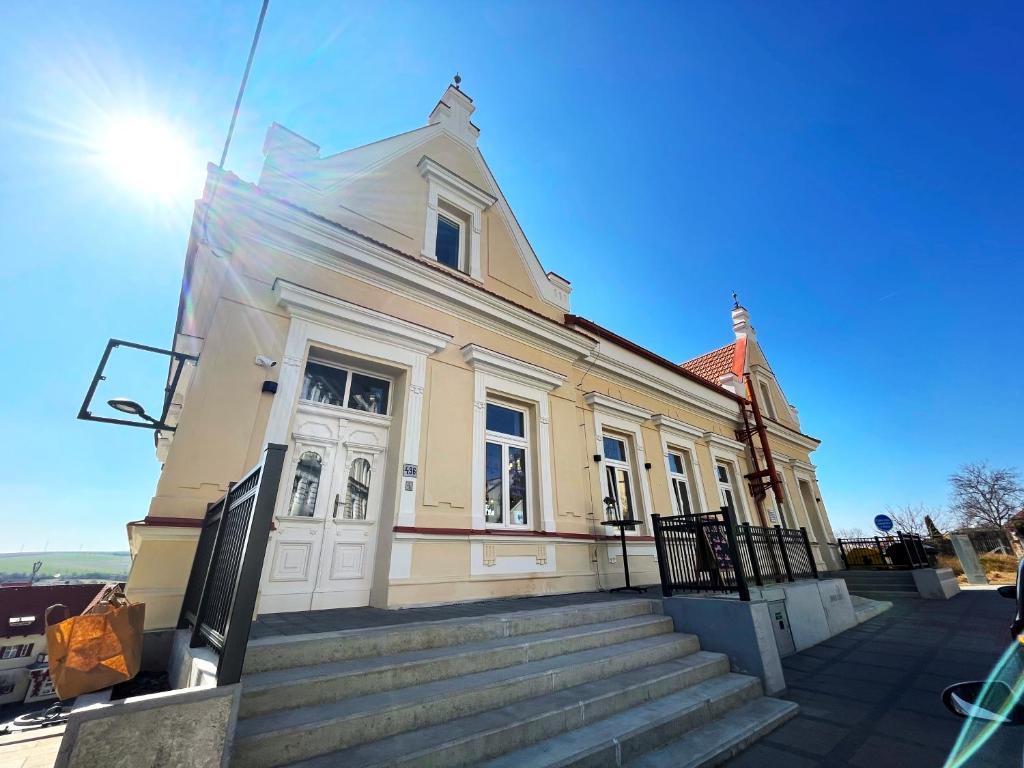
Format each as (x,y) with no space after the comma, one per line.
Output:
(616,687)
(751,721)
(662,721)
(258,681)
(260,728)
(494,625)
(276,691)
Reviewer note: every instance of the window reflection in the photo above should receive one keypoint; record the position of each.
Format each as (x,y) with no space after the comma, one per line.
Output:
(307,482)
(358,490)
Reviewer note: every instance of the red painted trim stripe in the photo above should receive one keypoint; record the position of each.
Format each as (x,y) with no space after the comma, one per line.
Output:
(174,522)
(508,532)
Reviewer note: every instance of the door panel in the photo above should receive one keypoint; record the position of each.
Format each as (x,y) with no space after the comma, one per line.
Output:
(321,553)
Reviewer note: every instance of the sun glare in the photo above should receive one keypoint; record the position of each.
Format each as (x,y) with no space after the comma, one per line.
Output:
(149,157)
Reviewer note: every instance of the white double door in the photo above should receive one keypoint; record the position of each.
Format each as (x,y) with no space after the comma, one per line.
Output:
(322,552)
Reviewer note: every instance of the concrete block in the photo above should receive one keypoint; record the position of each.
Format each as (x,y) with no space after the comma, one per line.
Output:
(741,630)
(190,667)
(968,558)
(191,728)
(838,607)
(807,619)
(936,583)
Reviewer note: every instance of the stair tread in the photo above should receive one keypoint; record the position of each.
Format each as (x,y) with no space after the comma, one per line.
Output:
(725,734)
(413,626)
(265,725)
(289,675)
(424,739)
(603,733)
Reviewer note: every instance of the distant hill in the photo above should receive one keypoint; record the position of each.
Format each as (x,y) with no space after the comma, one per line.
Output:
(111,566)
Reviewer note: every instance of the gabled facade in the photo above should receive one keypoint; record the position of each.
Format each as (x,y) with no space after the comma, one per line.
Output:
(453,429)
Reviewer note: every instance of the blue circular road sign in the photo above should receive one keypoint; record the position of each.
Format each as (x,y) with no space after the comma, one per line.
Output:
(883,522)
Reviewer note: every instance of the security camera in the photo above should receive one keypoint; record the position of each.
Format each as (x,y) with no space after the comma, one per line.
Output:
(265,362)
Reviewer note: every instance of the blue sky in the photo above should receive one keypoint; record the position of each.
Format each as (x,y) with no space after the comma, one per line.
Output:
(854,171)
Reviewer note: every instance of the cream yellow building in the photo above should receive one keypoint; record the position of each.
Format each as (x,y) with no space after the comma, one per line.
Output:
(453,429)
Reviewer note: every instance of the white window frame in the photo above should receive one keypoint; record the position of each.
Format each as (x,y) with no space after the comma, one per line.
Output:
(677,437)
(446,189)
(730,453)
(765,392)
(613,415)
(625,465)
(459,221)
(516,383)
(507,441)
(349,370)
(677,479)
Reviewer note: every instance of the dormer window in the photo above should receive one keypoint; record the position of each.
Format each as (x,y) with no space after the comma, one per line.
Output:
(455,209)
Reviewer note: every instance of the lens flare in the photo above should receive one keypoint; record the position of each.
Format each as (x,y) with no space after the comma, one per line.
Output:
(148,157)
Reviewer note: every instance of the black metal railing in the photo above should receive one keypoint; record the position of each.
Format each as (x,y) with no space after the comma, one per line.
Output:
(774,555)
(697,553)
(709,553)
(221,594)
(902,551)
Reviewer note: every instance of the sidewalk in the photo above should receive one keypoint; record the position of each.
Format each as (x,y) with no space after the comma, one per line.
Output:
(869,698)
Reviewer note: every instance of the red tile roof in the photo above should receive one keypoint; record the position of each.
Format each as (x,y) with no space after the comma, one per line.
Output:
(713,365)
(22,602)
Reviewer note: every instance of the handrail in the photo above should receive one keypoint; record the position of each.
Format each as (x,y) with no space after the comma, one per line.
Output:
(220,598)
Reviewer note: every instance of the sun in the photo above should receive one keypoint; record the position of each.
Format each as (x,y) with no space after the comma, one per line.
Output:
(147,156)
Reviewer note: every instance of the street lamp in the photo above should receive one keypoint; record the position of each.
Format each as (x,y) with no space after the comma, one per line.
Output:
(124,405)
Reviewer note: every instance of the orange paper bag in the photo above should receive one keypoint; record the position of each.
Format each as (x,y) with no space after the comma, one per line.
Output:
(98,649)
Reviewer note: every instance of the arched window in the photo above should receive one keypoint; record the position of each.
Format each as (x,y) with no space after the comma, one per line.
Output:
(358,490)
(307,482)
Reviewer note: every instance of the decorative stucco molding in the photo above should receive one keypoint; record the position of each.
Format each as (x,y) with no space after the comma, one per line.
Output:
(486,360)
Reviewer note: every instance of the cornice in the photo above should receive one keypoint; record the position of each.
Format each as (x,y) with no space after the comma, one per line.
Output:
(304,302)
(619,369)
(615,407)
(486,360)
(304,235)
(797,438)
(716,440)
(431,169)
(668,424)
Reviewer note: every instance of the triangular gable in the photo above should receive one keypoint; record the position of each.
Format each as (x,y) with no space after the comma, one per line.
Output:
(375,189)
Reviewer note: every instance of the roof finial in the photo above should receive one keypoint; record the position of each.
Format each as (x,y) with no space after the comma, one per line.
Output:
(735,300)
(457,79)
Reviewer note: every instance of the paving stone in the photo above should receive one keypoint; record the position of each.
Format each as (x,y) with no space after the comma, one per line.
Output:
(807,735)
(764,756)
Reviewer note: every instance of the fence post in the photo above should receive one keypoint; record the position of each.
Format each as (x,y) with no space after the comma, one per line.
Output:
(254,550)
(753,555)
(785,552)
(662,554)
(881,552)
(911,557)
(810,554)
(842,554)
(734,551)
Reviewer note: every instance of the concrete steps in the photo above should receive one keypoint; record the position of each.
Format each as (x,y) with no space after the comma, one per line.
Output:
(304,686)
(714,743)
(880,585)
(570,683)
(866,608)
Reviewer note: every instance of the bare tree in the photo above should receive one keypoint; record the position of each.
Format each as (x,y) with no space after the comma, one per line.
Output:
(913,518)
(986,497)
(850,533)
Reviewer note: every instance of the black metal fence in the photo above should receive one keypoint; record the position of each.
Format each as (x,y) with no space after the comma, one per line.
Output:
(902,551)
(709,553)
(775,554)
(697,553)
(221,594)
